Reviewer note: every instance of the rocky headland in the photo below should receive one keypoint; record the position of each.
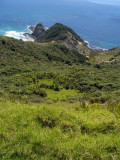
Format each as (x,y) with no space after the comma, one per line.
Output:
(61,34)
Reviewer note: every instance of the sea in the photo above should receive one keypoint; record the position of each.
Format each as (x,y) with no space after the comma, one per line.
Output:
(95,21)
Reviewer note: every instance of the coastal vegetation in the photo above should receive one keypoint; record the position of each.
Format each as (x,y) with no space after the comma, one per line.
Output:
(34,70)
(58,100)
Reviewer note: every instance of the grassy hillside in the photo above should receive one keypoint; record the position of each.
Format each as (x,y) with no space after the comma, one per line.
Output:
(109,57)
(56,103)
(58,131)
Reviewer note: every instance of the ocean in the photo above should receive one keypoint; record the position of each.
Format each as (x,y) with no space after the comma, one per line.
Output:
(96,21)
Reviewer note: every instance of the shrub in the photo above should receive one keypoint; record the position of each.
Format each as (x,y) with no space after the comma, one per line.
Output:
(97,66)
(42,93)
(56,88)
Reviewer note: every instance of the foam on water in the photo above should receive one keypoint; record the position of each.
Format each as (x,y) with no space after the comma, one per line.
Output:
(18,35)
(94,47)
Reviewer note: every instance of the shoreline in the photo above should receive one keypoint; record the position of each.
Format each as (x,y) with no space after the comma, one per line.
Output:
(19,35)
(32,28)
(27,37)
(95,48)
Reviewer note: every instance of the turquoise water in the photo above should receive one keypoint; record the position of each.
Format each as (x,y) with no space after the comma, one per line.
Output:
(96,21)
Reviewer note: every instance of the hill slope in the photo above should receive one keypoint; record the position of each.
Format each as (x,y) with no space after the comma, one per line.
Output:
(23,56)
(109,57)
(61,34)
(55,103)
(24,64)
(33,70)
(58,131)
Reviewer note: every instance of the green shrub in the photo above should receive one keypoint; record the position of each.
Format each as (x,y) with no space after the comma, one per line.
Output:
(42,93)
(56,88)
(97,66)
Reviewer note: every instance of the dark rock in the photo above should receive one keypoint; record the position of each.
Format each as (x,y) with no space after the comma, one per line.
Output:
(38,31)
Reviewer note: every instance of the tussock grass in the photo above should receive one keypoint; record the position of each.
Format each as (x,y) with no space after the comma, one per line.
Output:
(58,131)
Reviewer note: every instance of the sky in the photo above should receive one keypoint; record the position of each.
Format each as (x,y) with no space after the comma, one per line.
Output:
(108,2)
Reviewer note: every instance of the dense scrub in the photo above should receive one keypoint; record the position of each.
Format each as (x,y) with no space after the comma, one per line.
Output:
(33,71)
(59,32)
(18,56)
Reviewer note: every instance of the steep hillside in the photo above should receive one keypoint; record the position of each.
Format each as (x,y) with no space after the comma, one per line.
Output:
(17,56)
(24,64)
(50,71)
(61,34)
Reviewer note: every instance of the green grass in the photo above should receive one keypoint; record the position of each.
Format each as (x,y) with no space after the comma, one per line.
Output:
(62,94)
(46,81)
(58,131)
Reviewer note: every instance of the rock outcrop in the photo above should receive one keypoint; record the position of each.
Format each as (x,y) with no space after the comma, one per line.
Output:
(39,32)
(61,34)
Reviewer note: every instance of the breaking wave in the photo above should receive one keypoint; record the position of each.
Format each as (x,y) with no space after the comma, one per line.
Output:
(18,35)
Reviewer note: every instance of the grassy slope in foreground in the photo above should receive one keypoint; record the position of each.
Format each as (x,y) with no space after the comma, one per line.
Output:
(58,131)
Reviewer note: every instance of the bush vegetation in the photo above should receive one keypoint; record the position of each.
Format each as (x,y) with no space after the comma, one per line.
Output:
(28,69)
(58,32)
(58,104)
